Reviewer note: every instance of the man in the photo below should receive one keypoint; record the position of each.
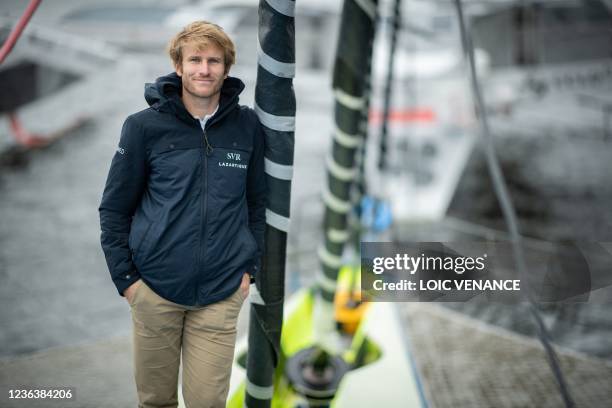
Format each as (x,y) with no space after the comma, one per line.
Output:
(182,219)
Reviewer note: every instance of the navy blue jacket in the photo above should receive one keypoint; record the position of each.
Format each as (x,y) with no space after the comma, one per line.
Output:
(184,209)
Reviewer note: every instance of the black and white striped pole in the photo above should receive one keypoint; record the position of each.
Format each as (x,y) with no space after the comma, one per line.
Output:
(275,107)
(350,87)
(360,188)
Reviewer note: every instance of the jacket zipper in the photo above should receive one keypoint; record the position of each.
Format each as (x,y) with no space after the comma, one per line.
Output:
(207,149)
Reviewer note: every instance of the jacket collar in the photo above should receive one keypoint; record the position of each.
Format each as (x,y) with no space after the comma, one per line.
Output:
(165,96)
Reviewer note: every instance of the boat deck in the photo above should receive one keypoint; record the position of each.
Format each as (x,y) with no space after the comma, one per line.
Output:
(464,362)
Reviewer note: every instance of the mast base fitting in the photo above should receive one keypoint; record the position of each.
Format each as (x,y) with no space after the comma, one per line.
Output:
(315,374)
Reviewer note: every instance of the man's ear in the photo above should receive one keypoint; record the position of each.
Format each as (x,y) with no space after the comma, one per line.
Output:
(178,69)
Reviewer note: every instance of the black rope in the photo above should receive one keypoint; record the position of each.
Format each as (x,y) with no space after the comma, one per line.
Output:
(509,213)
(383,146)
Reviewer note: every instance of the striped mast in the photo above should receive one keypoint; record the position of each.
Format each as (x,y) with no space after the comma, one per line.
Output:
(360,187)
(275,107)
(350,87)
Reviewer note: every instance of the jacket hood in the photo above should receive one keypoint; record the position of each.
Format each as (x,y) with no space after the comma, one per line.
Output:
(165,95)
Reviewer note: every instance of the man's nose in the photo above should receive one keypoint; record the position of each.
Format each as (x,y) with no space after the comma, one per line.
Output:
(204,68)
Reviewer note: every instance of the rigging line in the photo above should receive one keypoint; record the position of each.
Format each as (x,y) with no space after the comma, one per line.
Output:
(19,27)
(509,213)
(384,139)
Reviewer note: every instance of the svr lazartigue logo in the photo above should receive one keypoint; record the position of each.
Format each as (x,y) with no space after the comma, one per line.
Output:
(236,161)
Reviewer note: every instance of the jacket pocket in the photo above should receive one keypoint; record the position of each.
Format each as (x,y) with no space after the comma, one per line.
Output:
(140,245)
(228,169)
(251,243)
(183,158)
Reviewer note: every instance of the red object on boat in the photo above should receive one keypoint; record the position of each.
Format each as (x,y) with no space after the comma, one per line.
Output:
(24,137)
(21,25)
(422,115)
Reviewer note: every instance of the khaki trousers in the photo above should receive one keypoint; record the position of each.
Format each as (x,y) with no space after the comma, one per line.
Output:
(206,337)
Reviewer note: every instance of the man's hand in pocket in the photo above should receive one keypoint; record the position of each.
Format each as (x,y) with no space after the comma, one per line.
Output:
(129,292)
(244,285)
